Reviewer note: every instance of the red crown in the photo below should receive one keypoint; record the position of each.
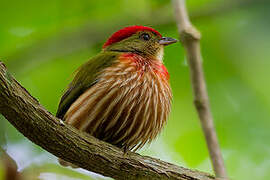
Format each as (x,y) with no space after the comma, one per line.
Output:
(127,32)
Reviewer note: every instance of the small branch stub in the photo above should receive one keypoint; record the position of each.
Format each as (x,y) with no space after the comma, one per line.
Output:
(189,34)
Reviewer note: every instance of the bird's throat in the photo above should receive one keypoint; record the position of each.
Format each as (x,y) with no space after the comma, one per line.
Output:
(144,65)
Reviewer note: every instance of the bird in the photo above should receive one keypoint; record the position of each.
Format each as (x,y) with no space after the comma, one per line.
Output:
(122,95)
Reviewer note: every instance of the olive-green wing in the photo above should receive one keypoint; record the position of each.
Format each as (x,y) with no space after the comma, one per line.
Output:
(85,77)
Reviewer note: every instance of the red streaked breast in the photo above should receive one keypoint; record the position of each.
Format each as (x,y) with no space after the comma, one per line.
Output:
(128,106)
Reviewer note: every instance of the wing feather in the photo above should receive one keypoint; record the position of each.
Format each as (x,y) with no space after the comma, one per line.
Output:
(85,77)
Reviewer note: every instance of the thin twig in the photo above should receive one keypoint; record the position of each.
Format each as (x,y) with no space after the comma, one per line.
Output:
(190,39)
(64,141)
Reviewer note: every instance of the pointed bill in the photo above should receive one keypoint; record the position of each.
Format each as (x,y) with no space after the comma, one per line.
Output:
(166,41)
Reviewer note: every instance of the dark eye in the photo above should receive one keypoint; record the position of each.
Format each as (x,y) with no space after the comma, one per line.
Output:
(145,36)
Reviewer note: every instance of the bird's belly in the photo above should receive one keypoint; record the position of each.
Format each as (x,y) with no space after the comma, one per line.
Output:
(127,110)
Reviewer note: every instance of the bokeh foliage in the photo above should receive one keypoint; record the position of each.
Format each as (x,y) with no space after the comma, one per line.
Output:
(43,42)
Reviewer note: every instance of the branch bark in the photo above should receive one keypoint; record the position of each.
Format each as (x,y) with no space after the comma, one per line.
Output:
(190,39)
(25,113)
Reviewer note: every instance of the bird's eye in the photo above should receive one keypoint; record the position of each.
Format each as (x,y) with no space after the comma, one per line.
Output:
(145,36)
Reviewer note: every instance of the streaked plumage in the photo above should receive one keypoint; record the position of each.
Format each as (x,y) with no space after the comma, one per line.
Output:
(122,95)
(128,106)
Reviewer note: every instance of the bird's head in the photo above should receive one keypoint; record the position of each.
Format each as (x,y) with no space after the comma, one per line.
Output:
(141,40)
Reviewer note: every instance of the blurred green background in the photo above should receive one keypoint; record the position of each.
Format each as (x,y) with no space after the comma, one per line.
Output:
(43,42)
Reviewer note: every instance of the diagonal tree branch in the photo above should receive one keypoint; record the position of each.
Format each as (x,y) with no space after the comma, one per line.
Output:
(25,113)
(190,39)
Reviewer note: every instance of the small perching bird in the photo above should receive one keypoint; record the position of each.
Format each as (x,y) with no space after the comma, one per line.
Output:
(122,95)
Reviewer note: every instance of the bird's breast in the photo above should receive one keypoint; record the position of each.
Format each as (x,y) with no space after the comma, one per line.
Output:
(128,106)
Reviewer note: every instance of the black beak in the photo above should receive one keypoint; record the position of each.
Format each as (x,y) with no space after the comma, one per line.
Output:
(166,41)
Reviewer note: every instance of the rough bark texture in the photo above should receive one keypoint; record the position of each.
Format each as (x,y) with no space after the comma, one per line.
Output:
(25,113)
(190,39)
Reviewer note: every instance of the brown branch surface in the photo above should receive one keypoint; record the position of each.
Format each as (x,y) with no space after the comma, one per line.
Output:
(25,113)
(190,39)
